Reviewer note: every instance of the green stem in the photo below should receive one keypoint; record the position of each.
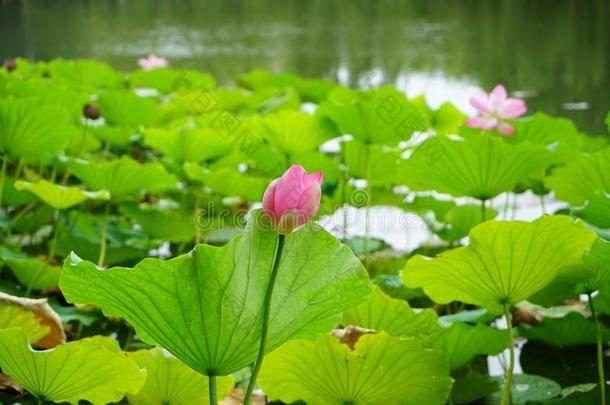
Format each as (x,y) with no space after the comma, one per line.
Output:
(369,193)
(103,238)
(542,205)
(506,396)
(50,254)
(2,177)
(344,180)
(600,351)
(483,216)
(39,401)
(213,389)
(266,313)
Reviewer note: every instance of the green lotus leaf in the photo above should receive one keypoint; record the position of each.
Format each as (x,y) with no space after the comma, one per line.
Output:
(447,220)
(504,263)
(13,197)
(558,135)
(314,90)
(596,211)
(581,178)
(470,385)
(479,166)
(571,330)
(33,272)
(528,388)
(92,369)
(445,120)
(33,131)
(293,132)
(126,108)
(375,162)
(12,316)
(88,74)
(168,80)
(380,369)
(122,177)
(169,381)
(462,342)
(188,144)
(189,103)
(598,258)
(204,307)
(112,134)
(227,182)
(384,313)
(58,196)
(380,116)
(171,223)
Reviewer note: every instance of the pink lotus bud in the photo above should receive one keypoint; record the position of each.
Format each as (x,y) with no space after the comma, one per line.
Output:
(293,199)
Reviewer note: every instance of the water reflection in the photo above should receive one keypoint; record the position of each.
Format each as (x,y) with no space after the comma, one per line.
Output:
(557,52)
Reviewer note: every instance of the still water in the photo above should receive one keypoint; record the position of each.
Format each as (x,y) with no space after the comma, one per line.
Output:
(554,53)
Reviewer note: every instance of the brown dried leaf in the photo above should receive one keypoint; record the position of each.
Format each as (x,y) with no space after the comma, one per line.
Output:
(351,334)
(45,315)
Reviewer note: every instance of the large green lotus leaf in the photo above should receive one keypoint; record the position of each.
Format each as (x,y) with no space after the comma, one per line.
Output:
(479,166)
(171,382)
(596,211)
(92,369)
(394,316)
(31,271)
(571,330)
(581,178)
(375,162)
(527,389)
(565,285)
(12,316)
(128,109)
(227,182)
(33,131)
(381,369)
(58,196)
(505,262)
(171,223)
(445,120)
(462,342)
(293,132)
(558,135)
(87,74)
(189,103)
(120,136)
(168,80)
(598,258)
(204,307)
(123,176)
(315,90)
(382,115)
(188,144)
(13,197)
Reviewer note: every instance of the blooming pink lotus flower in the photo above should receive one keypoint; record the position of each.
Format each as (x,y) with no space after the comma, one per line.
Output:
(152,62)
(293,199)
(494,109)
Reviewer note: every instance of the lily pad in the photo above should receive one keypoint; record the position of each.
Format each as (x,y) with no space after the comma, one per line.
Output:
(188,144)
(128,109)
(505,262)
(596,210)
(581,178)
(204,306)
(34,272)
(572,330)
(168,80)
(394,316)
(527,387)
(169,381)
(122,177)
(58,196)
(380,369)
(479,166)
(228,183)
(91,369)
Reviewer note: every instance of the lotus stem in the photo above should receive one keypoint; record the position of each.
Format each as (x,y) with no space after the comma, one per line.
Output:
(266,312)
(369,193)
(2,177)
(103,238)
(600,352)
(212,388)
(50,254)
(483,216)
(506,395)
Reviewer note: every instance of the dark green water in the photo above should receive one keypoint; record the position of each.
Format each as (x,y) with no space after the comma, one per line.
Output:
(556,52)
